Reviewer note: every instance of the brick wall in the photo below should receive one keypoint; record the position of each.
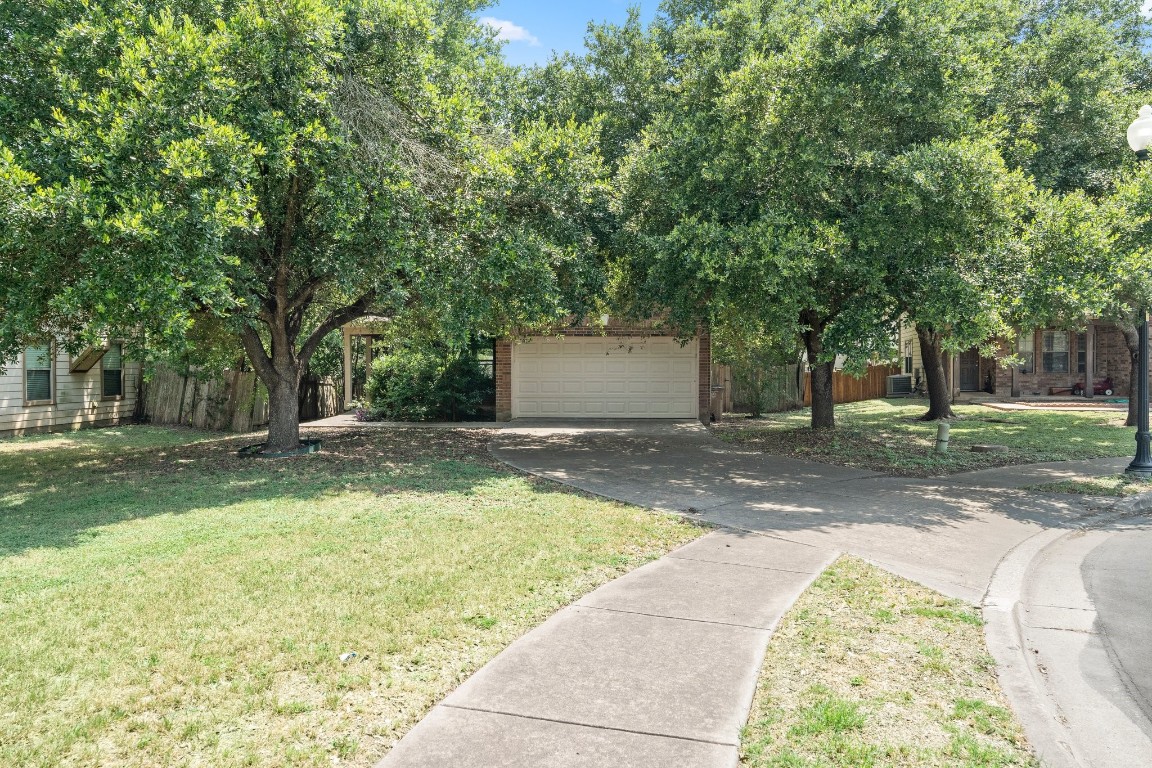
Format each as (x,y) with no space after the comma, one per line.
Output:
(1111,360)
(503,370)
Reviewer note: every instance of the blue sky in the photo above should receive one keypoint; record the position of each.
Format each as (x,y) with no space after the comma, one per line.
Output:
(535,28)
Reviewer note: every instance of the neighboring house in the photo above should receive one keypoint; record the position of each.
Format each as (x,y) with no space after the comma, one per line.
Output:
(1052,361)
(45,389)
(596,371)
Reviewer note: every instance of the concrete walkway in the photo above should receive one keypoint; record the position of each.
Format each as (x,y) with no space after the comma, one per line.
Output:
(654,669)
(659,667)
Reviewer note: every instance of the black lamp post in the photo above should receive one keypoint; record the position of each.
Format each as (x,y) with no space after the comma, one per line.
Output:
(1140,139)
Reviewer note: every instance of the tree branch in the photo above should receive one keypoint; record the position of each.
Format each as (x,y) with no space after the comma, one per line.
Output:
(336,319)
(306,292)
(254,348)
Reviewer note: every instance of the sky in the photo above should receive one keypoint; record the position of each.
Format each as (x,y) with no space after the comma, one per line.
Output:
(535,28)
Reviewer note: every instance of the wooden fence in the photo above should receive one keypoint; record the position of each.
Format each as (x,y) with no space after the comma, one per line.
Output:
(234,402)
(849,389)
(781,388)
(778,389)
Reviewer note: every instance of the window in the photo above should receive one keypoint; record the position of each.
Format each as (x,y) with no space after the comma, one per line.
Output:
(1026,351)
(38,374)
(112,377)
(908,356)
(1055,351)
(1081,352)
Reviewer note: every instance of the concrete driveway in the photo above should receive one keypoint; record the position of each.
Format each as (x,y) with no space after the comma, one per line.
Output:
(658,667)
(949,534)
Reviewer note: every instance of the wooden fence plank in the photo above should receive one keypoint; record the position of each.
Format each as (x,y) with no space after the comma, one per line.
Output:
(849,389)
(234,402)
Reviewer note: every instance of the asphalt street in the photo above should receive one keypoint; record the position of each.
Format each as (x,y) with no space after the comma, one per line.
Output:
(1118,577)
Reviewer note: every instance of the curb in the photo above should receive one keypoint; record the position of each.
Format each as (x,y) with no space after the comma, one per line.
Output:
(1134,505)
(1038,713)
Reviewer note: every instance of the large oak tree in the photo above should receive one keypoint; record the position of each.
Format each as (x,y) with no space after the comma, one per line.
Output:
(282,167)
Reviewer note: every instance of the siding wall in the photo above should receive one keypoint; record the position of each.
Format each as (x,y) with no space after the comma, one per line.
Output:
(908,334)
(78,402)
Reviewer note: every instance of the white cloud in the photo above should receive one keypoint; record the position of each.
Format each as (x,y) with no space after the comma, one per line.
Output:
(514,33)
(1147,8)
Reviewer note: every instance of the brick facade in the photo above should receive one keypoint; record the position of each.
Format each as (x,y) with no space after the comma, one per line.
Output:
(503,362)
(705,363)
(1110,355)
(503,370)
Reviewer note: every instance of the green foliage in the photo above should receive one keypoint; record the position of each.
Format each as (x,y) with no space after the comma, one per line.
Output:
(426,383)
(776,188)
(328,362)
(763,367)
(284,168)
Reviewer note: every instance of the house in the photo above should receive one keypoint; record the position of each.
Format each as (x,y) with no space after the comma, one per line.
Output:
(46,389)
(592,370)
(1053,362)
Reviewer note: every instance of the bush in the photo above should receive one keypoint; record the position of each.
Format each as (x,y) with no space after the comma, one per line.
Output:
(426,385)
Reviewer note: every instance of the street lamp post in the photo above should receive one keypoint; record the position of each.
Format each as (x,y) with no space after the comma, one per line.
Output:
(1140,139)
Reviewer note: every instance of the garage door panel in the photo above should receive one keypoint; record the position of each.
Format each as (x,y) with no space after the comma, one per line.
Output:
(604,378)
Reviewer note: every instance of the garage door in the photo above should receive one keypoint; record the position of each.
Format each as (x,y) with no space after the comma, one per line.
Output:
(604,378)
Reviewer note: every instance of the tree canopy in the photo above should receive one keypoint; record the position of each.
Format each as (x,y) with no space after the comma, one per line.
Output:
(285,168)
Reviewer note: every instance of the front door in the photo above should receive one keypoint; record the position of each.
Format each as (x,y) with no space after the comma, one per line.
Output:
(970,371)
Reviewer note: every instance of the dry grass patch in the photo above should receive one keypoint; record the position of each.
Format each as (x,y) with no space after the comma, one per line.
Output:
(167,603)
(869,669)
(1109,485)
(887,436)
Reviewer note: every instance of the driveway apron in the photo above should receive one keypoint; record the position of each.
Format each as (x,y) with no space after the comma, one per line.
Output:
(659,667)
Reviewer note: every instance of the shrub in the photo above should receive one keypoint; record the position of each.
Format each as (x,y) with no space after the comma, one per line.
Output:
(415,384)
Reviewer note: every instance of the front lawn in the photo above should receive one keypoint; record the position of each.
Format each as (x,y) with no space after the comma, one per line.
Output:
(886,436)
(868,669)
(166,603)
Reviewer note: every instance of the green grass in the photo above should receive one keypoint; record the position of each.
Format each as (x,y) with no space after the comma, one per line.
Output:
(1109,485)
(868,669)
(886,436)
(165,602)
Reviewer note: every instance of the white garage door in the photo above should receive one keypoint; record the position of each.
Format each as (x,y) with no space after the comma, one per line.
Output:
(604,378)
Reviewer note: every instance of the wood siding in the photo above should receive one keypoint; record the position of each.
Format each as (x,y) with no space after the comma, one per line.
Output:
(78,402)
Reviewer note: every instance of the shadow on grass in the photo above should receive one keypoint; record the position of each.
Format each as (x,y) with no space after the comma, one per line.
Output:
(56,489)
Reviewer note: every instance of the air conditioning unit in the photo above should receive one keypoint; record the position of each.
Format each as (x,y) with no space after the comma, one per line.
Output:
(900,384)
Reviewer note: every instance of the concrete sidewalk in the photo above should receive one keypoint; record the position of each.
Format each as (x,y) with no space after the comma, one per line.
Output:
(654,669)
(658,668)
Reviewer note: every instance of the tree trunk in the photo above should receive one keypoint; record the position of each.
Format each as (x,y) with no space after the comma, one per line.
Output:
(823,405)
(1132,342)
(939,398)
(284,411)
